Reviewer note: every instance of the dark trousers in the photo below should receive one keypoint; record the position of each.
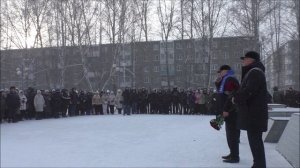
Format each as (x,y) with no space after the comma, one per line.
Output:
(97,109)
(72,109)
(39,115)
(119,110)
(197,109)
(202,109)
(126,109)
(111,109)
(12,117)
(175,108)
(257,148)
(233,136)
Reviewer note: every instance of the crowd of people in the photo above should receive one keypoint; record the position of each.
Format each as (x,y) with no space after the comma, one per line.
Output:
(290,97)
(17,105)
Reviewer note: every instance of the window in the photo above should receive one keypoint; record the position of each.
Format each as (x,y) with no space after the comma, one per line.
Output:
(146,58)
(156,47)
(156,68)
(171,56)
(214,67)
(206,60)
(179,67)
(146,69)
(226,55)
(163,68)
(156,58)
(180,57)
(215,44)
(178,46)
(146,79)
(170,45)
(95,53)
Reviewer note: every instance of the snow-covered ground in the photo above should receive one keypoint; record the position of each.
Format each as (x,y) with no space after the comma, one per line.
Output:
(123,141)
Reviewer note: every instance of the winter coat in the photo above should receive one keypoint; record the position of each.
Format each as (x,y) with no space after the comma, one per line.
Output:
(12,101)
(3,103)
(252,99)
(39,103)
(224,98)
(105,98)
(74,98)
(119,101)
(97,100)
(202,98)
(111,99)
(197,98)
(23,102)
(30,100)
(65,100)
(127,97)
(56,102)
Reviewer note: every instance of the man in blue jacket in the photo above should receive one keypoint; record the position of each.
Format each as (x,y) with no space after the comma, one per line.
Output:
(227,85)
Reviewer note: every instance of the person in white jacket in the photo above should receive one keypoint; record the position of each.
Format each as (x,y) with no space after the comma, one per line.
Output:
(39,103)
(111,102)
(23,107)
(119,101)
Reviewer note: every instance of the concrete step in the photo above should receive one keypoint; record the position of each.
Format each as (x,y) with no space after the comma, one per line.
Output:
(288,144)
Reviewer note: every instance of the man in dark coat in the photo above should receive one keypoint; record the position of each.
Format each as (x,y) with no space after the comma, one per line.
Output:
(73,108)
(55,103)
(30,102)
(65,102)
(126,101)
(252,99)
(226,86)
(13,103)
(175,99)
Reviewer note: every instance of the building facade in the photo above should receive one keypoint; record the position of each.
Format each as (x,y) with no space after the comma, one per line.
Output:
(155,64)
(283,67)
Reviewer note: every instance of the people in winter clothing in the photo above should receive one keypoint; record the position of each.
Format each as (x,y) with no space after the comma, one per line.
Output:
(3,106)
(227,85)
(73,107)
(252,98)
(65,102)
(56,103)
(39,104)
(97,103)
(30,103)
(23,105)
(111,102)
(13,104)
(119,101)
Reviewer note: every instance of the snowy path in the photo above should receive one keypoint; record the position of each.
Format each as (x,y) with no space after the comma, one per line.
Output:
(123,141)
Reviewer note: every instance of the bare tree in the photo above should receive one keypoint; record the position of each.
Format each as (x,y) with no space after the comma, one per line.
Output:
(17,32)
(38,9)
(206,21)
(142,14)
(166,18)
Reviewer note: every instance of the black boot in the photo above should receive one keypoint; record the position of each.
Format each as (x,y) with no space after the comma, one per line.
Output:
(232,160)
(226,157)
